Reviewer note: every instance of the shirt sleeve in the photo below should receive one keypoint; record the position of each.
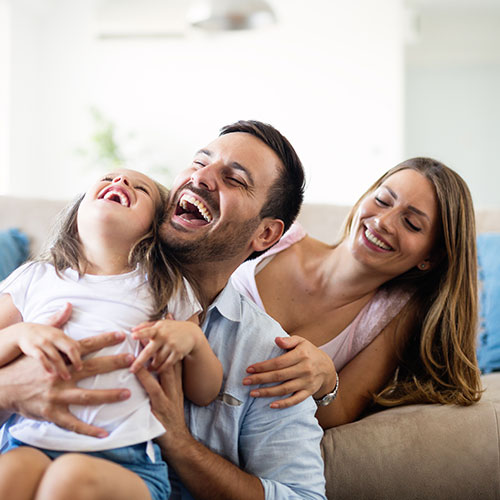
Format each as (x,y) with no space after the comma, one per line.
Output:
(282,448)
(17,283)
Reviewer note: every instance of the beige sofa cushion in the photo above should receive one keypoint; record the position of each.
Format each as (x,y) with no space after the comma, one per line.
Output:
(418,452)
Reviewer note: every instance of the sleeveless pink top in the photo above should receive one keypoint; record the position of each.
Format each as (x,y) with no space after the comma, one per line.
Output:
(370,321)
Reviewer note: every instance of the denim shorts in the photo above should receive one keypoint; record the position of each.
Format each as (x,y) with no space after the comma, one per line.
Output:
(133,458)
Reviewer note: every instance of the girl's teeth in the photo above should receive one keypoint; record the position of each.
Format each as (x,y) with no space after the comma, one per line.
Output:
(371,237)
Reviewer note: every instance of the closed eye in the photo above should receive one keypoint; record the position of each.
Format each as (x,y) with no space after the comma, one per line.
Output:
(142,188)
(412,226)
(381,202)
(234,180)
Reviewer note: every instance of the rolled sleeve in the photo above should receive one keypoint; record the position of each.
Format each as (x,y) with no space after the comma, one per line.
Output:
(282,448)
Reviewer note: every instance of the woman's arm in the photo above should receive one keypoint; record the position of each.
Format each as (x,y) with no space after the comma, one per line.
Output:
(304,369)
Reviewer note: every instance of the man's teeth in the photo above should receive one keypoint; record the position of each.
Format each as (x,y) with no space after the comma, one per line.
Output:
(123,198)
(371,237)
(185,199)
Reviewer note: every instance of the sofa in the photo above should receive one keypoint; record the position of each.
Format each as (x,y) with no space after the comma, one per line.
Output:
(409,452)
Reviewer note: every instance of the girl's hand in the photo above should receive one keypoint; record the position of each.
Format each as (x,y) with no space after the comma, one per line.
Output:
(303,371)
(166,342)
(49,345)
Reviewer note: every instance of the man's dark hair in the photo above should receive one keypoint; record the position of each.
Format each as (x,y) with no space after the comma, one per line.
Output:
(286,194)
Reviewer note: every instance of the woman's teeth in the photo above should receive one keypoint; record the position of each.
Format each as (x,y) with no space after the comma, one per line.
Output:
(371,237)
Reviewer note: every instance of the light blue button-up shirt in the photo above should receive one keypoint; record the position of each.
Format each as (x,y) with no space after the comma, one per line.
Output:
(280,447)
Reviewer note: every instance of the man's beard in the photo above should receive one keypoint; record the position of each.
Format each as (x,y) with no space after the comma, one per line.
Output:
(227,242)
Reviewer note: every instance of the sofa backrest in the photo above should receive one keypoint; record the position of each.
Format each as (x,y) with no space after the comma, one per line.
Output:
(36,216)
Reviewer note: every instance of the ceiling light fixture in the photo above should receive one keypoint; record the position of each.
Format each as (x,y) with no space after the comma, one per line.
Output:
(231,15)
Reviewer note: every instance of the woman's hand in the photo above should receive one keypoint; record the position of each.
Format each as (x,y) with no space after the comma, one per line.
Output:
(303,371)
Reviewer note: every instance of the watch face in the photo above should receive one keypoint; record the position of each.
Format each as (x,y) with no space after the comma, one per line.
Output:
(327,399)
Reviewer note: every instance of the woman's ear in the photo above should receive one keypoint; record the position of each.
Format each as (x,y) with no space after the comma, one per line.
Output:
(425,265)
(267,234)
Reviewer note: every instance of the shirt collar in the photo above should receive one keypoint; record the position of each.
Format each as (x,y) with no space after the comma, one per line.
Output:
(228,303)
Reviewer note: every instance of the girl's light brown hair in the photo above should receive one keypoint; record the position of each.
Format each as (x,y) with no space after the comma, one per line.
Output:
(162,269)
(438,356)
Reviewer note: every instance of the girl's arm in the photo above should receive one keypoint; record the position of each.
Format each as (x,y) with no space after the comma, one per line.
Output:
(202,372)
(9,315)
(167,342)
(42,342)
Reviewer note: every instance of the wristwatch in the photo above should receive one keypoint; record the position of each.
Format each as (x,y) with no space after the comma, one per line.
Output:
(328,398)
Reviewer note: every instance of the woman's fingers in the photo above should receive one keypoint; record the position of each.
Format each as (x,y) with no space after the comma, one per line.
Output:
(285,360)
(295,399)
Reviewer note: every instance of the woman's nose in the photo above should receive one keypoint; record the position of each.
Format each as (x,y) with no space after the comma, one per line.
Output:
(384,221)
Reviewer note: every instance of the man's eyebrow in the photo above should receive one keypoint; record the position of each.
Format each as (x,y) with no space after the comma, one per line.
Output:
(204,152)
(413,209)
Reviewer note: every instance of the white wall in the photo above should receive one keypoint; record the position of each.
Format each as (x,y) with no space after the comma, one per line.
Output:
(453,94)
(329,76)
(5,65)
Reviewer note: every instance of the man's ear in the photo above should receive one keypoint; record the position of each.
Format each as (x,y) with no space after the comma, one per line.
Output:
(267,234)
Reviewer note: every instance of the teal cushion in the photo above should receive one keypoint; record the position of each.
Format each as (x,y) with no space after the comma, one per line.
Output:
(14,250)
(488,248)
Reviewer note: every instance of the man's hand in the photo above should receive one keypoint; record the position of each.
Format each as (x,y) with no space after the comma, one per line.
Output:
(26,387)
(167,403)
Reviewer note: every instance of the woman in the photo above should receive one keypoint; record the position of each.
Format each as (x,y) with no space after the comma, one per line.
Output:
(394,304)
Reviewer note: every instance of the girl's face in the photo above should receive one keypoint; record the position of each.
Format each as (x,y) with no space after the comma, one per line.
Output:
(122,204)
(395,227)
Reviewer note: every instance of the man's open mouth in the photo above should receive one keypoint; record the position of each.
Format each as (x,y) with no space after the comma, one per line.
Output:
(116,194)
(193,210)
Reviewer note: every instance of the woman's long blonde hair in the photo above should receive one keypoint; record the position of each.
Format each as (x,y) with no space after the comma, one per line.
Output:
(438,357)
(163,271)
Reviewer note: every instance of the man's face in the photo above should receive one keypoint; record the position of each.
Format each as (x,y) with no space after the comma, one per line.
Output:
(215,204)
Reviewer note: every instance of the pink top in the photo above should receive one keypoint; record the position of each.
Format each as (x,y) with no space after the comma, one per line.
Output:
(371,320)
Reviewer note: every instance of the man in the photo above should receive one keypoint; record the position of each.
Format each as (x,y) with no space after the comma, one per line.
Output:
(235,200)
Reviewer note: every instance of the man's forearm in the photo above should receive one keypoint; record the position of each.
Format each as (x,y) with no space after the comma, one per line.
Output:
(207,475)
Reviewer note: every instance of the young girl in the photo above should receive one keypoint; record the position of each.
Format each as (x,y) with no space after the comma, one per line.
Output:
(107,245)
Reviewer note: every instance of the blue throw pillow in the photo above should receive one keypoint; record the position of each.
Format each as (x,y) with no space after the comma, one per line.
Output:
(14,250)
(488,248)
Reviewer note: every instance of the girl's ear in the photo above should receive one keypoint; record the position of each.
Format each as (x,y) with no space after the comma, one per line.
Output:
(267,234)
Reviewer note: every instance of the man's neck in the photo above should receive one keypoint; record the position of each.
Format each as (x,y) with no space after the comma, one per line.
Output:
(211,278)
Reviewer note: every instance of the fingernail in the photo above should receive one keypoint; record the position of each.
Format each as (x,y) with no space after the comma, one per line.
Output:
(247,381)
(129,358)
(250,369)
(119,335)
(102,434)
(254,394)
(124,395)
(274,405)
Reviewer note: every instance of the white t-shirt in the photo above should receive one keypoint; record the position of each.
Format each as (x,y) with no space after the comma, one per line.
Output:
(100,304)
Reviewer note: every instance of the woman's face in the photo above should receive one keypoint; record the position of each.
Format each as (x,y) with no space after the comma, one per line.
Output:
(395,227)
